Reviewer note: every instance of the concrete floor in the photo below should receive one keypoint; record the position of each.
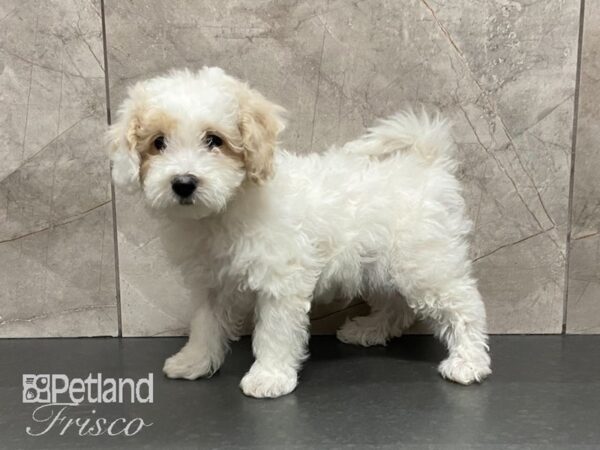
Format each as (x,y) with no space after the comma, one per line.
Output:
(544,394)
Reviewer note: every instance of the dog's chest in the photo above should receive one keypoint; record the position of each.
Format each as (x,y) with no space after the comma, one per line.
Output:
(231,261)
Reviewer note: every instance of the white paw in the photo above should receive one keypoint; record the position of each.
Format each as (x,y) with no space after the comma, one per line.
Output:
(465,371)
(262,383)
(363,331)
(189,365)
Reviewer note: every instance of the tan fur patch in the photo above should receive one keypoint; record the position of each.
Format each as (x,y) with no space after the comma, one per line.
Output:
(148,129)
(231,146)
(260,125)
(144,131)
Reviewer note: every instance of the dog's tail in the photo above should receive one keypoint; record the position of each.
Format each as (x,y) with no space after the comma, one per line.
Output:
(406,131)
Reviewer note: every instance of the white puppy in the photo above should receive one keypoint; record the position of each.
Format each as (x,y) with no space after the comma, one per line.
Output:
(255,227)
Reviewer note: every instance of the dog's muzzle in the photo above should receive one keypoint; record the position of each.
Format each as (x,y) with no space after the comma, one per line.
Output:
(184,186)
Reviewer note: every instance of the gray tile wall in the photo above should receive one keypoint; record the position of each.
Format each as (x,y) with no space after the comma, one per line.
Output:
(505,72)
(583,312)
(57,267)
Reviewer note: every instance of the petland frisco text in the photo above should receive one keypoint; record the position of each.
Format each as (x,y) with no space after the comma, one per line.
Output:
(60,395)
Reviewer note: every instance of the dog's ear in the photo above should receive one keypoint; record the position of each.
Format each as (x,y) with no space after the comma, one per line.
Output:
(260,123)
(122,146)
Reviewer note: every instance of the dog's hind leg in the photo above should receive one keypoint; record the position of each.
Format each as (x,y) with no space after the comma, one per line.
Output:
(390,316)
(457,314)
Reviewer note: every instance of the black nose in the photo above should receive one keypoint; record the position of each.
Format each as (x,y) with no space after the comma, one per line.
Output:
(184,185)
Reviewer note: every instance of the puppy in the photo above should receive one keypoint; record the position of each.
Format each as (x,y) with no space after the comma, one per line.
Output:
(254,227)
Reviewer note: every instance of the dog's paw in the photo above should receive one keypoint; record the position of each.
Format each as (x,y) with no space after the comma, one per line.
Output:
(186,364)
(262,383)
(465,371)
(363,331)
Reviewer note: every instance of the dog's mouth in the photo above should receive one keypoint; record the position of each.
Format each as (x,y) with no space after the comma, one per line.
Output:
(186,201)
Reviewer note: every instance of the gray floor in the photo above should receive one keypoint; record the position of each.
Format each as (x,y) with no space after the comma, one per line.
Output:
(544,394)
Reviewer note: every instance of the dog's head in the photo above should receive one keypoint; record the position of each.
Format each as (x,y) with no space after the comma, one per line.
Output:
(190,140)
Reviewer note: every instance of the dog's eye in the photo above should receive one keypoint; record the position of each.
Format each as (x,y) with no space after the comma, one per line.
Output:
(213,141)
(159,143)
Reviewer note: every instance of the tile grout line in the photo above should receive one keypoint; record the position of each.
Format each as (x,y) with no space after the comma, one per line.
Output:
(572,168)
(112,186)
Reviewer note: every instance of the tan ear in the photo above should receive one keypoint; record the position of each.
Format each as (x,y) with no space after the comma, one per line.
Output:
(261,121)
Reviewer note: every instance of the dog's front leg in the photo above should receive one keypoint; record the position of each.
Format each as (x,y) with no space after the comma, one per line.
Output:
(205,350)
(280,345)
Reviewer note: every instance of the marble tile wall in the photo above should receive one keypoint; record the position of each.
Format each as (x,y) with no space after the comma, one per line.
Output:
(503,71)
(583,301)
(57,268)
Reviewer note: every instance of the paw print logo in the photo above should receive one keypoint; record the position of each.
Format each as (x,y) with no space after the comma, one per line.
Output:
(36,388)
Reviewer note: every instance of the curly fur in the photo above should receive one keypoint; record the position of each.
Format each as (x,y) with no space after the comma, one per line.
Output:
(381,217)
